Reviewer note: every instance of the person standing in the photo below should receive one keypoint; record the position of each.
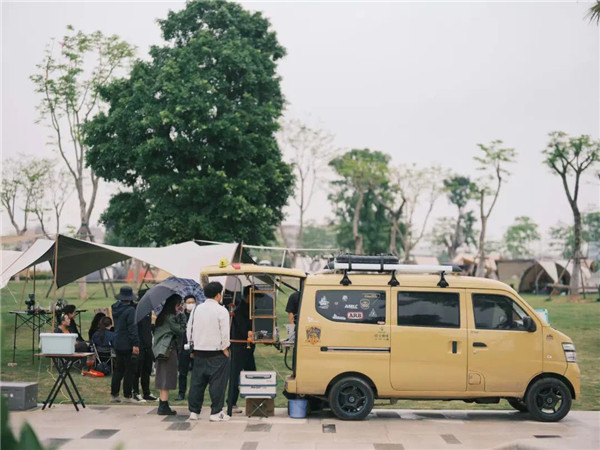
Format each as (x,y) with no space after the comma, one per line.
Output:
(170,326)
(126,344)
(242,354)
(208,335)
(185,360)
(144,362)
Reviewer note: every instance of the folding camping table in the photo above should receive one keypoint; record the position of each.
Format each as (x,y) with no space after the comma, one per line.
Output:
(64,364)
(35,321)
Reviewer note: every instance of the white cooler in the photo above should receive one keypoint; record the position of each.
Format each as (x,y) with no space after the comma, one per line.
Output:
(58,343)
(258,384)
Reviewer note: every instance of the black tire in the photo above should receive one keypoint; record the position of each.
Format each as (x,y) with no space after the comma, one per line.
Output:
(351,398)
(548,400)
(518,403)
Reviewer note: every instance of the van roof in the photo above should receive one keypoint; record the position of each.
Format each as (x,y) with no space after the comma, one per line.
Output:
(408,280)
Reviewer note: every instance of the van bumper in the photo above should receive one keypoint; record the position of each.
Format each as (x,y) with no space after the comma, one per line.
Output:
(290,385)
(573,374)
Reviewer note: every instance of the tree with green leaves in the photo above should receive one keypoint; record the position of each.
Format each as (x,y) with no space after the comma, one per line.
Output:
(519,237)
(570,158)
(563,235)
(594,12)
(444,234)
(24,179)
(492,162)
(191,132)
(362,172)
(418,189)
(459,191)
(69,79)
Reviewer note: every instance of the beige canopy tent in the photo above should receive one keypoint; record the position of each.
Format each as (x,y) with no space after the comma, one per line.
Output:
(76,258)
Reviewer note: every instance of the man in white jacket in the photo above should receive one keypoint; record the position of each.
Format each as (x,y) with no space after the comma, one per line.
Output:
(208,337)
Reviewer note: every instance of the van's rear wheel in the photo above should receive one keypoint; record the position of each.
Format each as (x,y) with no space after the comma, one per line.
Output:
(548,400)
(518,404)
(351,398)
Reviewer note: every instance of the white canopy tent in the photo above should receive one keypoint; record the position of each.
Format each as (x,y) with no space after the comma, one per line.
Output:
(76,258)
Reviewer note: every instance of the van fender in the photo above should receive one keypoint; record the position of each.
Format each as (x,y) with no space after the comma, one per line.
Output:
(556,375)
(351,374)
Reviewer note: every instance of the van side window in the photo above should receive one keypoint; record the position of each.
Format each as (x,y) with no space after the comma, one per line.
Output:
(429,309)
(352,306)
(497,312)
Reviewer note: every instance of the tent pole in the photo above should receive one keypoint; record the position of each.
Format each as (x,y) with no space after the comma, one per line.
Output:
(23,290)
(581,276)
(112,286)
(55,281)
(103,283)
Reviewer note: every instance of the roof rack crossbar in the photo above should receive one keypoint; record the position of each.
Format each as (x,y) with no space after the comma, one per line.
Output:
(379,267)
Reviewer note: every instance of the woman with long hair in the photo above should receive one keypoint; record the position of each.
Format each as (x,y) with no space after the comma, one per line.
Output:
(103,337)
(94,324)
(170,326)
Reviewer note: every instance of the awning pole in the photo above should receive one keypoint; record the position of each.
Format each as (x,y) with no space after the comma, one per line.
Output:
(55,280)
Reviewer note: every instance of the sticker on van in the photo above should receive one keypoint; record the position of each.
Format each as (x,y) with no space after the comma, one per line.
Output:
(323,303)
(365,303)
(313,335)
(355,315)
(350,306)
(336,317)
(373,313)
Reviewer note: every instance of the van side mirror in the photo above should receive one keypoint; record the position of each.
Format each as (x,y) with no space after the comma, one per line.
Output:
(529,324)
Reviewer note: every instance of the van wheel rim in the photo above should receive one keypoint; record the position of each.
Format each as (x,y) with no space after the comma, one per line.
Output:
(351,399)
(549,400)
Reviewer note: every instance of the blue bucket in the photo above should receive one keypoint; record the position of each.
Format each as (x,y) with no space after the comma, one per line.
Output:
(297,408)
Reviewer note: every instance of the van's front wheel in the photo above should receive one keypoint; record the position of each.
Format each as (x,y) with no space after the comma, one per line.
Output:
(548,400)
(351,398)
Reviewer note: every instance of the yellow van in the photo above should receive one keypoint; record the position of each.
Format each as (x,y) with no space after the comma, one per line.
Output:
(381,333)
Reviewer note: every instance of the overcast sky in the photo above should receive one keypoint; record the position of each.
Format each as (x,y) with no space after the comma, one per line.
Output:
(424,82)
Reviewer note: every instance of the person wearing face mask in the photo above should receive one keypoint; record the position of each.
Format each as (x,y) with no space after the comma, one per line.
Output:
(186,362)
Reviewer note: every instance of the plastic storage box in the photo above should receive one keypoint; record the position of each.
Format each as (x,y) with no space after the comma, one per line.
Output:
(57,343)
(258,384)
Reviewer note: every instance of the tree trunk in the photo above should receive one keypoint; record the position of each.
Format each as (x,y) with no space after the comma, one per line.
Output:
(393,235)
(358,239)
(481,266)
(575,284)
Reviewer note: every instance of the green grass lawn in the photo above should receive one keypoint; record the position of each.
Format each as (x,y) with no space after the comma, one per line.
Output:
(581,321)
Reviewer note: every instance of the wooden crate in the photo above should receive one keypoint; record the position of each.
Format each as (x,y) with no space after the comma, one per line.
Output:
(260,407)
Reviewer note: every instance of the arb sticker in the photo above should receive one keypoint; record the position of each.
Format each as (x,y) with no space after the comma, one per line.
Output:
(355,315)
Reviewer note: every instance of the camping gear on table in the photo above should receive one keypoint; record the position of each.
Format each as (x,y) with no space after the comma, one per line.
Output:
(154,299)
(58,343)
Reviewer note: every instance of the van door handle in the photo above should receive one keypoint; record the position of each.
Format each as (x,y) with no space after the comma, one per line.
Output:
(479,344)
(454,347)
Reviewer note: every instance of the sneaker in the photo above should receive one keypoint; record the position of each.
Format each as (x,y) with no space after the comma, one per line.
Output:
(150,398)
(237,410)
(194,416)
(129,400)
(115,399)
(219,417)
(180,397)
(138,398)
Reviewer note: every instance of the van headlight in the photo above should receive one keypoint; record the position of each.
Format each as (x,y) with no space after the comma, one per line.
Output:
(570,353)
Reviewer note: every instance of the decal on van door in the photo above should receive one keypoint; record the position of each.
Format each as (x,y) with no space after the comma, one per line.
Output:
(313,335)
(355,306)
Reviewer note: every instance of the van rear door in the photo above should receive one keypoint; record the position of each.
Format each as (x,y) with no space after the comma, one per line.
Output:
(429,339)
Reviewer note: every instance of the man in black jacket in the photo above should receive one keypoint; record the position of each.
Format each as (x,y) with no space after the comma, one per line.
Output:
(126,343)
(144,361)
(242,354)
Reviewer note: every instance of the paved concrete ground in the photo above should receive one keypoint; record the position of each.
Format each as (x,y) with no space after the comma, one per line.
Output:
(138,427)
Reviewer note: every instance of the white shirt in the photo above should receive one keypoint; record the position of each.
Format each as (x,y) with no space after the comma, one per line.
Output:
(208,327)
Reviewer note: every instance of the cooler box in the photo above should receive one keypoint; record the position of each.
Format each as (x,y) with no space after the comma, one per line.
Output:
(258,384)
(57,343)
(21,396)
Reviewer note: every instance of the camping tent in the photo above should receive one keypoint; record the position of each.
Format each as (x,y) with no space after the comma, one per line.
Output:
(76,258)
(551,274)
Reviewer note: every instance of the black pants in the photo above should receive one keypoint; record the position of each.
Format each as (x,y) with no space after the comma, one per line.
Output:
(211,371)
(143,371)
(186,363)
(242,358)
(124,370)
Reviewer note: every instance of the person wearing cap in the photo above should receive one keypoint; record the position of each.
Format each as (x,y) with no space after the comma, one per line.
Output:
(126,344)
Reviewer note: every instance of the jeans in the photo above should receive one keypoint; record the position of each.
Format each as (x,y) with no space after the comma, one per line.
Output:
(242,358)
(211,371)
(186,363)
(143,371)
(124,369)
